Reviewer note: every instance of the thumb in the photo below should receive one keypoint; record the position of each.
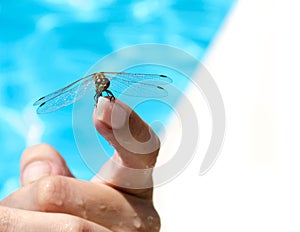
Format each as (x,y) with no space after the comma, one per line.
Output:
(136,145)
(42,160)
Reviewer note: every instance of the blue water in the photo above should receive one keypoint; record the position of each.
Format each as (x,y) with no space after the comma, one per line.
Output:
(46,44)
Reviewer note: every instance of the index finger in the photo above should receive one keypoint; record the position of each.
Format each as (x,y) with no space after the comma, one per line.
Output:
(136,146)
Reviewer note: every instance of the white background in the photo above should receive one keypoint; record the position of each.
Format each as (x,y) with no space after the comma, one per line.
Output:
(254,185)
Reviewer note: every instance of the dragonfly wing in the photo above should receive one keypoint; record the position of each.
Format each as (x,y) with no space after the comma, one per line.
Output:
(138,89)
(138,77)
(139,85)
(66,95)
(60,91)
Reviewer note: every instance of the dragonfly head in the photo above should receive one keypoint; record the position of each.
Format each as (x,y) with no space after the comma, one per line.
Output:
(101,82)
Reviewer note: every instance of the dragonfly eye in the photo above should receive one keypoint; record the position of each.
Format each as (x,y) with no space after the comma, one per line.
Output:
(102,81)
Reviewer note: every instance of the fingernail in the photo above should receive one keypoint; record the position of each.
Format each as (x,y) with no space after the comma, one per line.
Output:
(111,113)
(35,171)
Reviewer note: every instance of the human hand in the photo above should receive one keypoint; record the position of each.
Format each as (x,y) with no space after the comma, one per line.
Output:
(121,202)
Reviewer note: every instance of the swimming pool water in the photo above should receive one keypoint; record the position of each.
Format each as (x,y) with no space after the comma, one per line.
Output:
(46,44)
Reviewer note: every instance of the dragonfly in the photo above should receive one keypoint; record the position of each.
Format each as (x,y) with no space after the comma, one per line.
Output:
(105,83)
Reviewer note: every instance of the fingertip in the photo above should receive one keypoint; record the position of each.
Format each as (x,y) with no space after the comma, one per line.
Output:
(111,113)
(116,117)
(38,152)
(134,140)
(41,160)
(35,171)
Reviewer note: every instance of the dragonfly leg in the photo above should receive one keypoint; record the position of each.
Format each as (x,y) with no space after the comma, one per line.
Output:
(97,95)
(110,94)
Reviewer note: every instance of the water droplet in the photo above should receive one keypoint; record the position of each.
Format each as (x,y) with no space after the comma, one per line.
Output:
(102,207)
(137,223)
(150,220)
(59,202)
(127,184)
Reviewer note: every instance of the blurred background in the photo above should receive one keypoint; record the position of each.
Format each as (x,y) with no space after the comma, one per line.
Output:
(47,44)
(251,49)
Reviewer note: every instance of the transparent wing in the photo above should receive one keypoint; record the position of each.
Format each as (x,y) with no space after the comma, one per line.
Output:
(132,84)
(60,91)
(140,85)
(66,95)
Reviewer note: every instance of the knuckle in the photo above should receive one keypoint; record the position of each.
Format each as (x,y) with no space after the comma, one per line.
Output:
(51,192)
